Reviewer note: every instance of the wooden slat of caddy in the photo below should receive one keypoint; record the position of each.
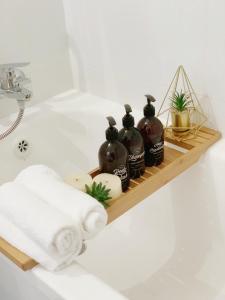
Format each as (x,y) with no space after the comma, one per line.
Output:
(19,258)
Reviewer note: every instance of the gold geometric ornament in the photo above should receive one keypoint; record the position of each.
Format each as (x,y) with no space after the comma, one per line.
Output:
(181,109)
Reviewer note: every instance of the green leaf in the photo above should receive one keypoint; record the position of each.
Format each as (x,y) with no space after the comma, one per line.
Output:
(99,192)
(179,101)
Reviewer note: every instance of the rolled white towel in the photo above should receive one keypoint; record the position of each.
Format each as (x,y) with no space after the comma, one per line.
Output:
(52,230)
(84,209)
(13,235)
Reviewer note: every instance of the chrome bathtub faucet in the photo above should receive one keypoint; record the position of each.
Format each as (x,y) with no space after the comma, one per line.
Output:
(12,81)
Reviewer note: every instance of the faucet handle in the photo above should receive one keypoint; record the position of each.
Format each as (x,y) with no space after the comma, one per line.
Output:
(11,76)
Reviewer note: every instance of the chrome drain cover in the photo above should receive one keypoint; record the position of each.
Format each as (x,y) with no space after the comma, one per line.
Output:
(22,148)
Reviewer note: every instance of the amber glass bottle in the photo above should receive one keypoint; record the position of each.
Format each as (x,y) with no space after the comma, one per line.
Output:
(113,156)
(131,138)
(153,134)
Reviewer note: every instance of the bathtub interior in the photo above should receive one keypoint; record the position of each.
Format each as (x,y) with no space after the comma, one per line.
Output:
(171,245)
(12,276)
(64,133)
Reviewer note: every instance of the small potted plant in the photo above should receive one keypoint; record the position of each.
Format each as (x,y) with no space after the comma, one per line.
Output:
(180,112)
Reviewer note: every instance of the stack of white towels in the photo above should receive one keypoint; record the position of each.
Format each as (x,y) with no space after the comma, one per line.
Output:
(46,218)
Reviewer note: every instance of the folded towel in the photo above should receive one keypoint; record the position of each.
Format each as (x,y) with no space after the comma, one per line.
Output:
(19,240)
(52,230)
(84,209)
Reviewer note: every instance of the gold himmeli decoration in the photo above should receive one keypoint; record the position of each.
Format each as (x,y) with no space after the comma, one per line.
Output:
(182,125)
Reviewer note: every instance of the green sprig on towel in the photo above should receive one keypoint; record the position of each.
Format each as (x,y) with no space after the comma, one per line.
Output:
(99,192)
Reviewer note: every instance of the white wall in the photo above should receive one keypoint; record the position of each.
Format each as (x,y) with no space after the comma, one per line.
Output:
(124,49)
(34,31)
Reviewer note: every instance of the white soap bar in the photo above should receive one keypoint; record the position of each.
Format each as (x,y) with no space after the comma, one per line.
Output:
(79,181)
(112,182)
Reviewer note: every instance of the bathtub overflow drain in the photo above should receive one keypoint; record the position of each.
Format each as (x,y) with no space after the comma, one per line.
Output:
(22,148)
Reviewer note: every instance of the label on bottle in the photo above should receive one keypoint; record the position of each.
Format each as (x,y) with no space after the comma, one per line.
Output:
(136,162)
(133,158)
(121,172)
(156,151)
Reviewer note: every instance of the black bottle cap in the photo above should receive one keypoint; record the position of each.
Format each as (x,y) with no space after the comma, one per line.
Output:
(111,132)
(149,109)
(128,120)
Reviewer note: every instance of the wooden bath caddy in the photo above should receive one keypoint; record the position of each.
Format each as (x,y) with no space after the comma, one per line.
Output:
(176,161)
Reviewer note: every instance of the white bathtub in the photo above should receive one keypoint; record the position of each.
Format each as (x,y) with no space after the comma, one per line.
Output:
(169,247)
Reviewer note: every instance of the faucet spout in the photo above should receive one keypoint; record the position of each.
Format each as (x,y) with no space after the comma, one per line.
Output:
(12,80)
(21,94)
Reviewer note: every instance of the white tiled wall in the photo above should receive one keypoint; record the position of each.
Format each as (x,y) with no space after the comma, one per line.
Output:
(124,49)
(117,49)
(34,31)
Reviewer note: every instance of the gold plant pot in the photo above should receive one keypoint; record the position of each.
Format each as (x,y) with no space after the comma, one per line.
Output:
(180,120)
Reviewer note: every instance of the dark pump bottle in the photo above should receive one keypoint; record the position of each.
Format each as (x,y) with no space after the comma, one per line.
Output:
(113,156)
(153,134)
(131,138)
